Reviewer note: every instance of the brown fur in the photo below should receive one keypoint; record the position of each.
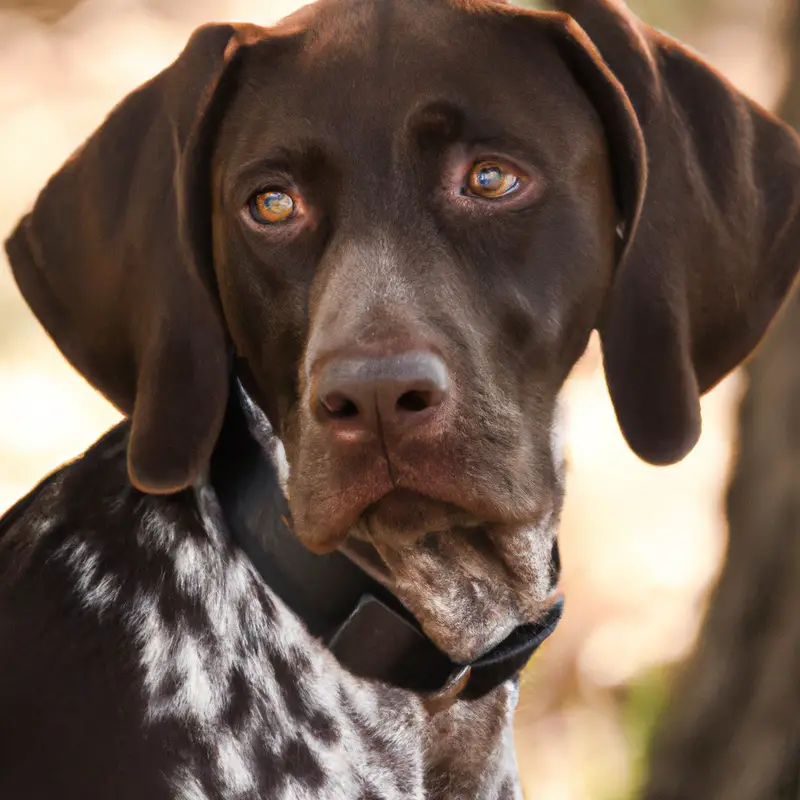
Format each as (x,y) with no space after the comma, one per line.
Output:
(374,110)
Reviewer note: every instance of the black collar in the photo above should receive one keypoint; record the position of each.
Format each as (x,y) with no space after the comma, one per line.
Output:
(362,623)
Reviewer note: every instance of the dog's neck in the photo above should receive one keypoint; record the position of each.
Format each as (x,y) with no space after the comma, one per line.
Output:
(360,620)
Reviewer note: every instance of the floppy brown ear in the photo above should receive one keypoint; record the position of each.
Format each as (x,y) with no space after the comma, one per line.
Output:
(709,189)
(115,262)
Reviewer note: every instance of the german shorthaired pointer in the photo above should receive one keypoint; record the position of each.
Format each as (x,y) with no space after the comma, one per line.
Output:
(355,256)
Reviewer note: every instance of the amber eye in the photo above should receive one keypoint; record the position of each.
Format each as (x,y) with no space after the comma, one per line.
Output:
(491,180)
(272,207)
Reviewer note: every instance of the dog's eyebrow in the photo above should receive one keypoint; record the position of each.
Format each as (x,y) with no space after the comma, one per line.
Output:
(448,121)
(440,118)
(280,165)
(275,162)
(239,183)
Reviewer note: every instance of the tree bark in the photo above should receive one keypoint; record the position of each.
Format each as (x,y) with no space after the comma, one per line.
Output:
(732,731)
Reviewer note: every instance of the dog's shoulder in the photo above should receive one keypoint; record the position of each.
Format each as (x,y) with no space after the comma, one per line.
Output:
(70,677)
(86,525)
(63,508)
(129,613)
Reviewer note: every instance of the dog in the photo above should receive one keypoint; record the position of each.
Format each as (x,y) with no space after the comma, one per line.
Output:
(335,273)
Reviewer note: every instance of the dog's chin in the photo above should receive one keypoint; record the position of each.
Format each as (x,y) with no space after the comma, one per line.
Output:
(468,585)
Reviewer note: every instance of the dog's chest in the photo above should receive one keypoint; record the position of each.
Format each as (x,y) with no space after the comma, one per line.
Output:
(266,709)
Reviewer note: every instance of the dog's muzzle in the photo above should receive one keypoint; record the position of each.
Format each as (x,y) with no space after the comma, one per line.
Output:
(364,625)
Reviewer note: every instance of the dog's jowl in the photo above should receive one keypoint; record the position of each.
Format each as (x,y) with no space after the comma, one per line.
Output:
(335,273)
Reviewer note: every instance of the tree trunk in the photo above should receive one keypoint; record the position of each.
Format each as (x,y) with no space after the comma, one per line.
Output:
(732,731)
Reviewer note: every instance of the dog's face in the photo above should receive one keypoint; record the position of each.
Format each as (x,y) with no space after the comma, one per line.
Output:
(399,221)
(418,213)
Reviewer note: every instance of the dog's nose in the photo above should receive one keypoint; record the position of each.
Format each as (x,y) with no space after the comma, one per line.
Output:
(385,391)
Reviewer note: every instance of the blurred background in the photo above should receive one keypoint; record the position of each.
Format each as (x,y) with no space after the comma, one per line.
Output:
(643,548)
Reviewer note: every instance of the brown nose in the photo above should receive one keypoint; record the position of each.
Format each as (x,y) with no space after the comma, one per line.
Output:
(381,392)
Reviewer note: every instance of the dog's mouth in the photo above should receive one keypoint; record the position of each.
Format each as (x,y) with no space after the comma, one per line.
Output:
(468,584)
(468,572)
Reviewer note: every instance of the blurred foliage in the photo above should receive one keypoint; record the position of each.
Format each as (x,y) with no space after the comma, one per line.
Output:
(675,16)
(43,10)
(644,701)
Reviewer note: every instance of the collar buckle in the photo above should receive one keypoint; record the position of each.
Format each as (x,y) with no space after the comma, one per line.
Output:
(446,697)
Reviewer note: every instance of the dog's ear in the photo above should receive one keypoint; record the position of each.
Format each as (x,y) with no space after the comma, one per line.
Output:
(115,262)
(709,191)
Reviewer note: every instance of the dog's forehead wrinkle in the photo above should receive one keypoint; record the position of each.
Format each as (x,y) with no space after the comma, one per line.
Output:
(389,76)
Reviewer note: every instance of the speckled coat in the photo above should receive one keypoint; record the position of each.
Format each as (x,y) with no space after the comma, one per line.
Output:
(144,657)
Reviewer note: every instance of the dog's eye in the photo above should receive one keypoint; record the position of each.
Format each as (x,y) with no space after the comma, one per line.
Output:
(491,180)
(272,207)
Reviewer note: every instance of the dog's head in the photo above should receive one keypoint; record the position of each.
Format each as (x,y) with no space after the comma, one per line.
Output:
(400,220)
